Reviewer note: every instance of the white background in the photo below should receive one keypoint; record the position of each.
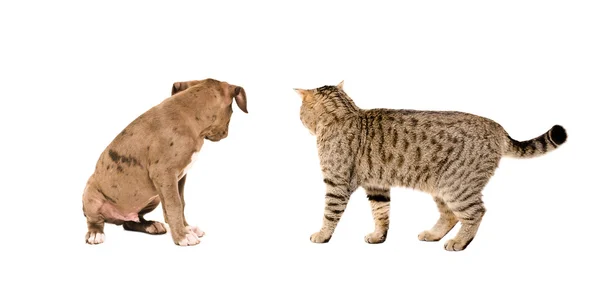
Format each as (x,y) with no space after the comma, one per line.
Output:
(74,74)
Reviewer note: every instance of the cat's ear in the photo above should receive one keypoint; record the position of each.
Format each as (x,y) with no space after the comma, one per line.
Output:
(305,94)
(341,85)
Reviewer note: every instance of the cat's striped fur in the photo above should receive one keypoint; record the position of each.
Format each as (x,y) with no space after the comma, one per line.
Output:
(450,155)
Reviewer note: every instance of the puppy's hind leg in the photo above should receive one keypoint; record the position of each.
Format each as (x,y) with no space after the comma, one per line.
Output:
(147,226)
(95,220)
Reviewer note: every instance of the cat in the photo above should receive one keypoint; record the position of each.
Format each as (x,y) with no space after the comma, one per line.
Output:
(450,155)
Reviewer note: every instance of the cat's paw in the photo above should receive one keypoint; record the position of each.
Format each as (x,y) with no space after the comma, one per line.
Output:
(320,237)
(456,245)
(428,236)
(375,237)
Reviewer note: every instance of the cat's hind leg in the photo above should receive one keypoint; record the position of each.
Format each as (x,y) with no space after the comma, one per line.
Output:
(380,208)
(468,208)
(444,224)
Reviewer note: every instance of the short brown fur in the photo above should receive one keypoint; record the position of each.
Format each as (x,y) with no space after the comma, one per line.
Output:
(145,164)
(450,155)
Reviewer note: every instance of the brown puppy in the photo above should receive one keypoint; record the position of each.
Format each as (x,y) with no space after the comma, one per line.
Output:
(146,163)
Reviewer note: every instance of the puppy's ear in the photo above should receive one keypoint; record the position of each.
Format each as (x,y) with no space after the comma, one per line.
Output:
(178,87)
(239,95)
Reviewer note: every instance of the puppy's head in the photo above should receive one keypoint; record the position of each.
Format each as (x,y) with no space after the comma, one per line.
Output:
(217,97)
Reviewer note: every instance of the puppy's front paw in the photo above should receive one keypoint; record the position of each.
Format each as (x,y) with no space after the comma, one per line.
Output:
(194,229)
(375,237)
(190,239)
(94,238)
(319,237)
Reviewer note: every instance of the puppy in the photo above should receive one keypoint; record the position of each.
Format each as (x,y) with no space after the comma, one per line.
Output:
(146,164)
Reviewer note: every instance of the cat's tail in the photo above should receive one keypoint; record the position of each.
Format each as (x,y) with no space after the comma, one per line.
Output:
(549,141)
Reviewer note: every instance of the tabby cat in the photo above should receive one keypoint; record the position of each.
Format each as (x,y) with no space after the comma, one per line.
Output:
(450,155)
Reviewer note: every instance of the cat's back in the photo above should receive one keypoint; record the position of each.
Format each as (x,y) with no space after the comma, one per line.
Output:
(422,115)
(428,122)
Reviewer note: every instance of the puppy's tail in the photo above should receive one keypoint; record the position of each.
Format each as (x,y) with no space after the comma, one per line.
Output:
(538,146)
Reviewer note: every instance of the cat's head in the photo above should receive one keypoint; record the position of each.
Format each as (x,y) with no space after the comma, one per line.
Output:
(310,110)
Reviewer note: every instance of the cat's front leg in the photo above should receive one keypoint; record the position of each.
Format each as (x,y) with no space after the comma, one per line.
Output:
(380,207)
(336,199)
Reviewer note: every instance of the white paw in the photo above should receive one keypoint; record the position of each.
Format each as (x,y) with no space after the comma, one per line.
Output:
(190,239)
(195,230)
(94,238)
